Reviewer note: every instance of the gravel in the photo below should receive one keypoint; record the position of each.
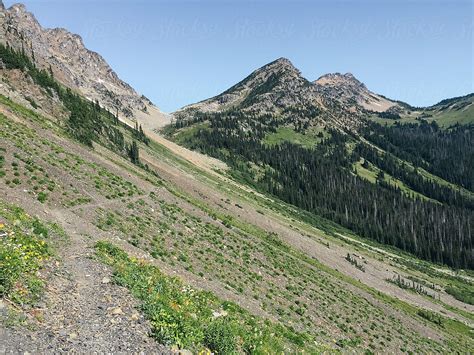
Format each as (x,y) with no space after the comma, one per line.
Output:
(82,311)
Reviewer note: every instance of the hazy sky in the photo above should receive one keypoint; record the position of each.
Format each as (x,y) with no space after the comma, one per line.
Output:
(179,52)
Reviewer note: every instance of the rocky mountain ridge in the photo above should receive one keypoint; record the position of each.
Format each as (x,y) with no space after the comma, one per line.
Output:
(279,89)
(349,91)
(72,64)
(273,85)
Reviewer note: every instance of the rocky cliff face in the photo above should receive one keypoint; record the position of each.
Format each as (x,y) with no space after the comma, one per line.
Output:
(350,92)
(72,63)
(279,89)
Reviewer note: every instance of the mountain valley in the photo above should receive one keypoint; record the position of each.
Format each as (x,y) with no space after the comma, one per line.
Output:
(281,216)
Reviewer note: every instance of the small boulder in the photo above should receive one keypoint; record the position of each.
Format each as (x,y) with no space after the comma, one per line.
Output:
(105,280)
(117,311)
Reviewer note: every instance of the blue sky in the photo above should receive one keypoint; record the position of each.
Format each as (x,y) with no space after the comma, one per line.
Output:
(180,52)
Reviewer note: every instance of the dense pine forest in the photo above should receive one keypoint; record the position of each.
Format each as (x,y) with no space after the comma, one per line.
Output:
(445,153)
(324,180)
(412,177)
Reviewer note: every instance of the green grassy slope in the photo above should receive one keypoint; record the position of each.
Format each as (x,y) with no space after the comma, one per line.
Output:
(459,110)
(286,134)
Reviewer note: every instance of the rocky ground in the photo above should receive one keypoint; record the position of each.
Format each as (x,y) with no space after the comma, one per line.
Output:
(82,310)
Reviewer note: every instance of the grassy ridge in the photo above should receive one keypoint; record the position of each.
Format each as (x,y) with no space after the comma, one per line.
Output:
(456,111)
(286,134)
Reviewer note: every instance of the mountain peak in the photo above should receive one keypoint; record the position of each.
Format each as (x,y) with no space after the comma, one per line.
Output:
(338,79)
(279,86)
(21,8)
(348,90)
(273,85)
(281,61)
(280,66)
(72,63)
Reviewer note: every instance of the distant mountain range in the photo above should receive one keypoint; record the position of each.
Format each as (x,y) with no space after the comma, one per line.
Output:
(276,88)
(338,100)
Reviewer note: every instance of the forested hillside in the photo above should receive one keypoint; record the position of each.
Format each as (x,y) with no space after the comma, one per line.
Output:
(447,153)
(428,211)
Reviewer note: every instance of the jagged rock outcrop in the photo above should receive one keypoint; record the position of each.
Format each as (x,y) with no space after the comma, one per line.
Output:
(350,92)
(72,63)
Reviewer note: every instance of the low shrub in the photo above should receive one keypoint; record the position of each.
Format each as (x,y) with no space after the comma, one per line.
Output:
(197,320)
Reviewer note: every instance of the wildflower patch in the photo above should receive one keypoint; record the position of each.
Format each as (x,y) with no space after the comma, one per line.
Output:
(23,251)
